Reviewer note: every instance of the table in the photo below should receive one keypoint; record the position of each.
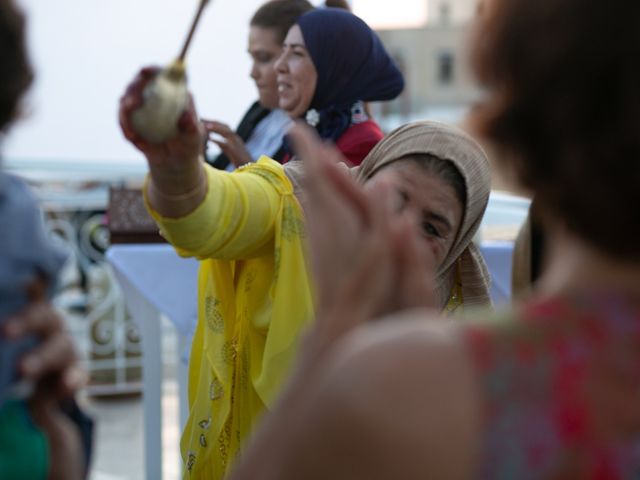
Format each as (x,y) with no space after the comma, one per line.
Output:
(155,281)
(497,254)
(504,215)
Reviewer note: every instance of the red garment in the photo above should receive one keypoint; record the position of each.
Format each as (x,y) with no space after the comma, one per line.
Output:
(356,142)
(560,380)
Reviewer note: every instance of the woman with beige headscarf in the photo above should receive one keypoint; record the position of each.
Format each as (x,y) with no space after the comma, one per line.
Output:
(254,293)
(417,155)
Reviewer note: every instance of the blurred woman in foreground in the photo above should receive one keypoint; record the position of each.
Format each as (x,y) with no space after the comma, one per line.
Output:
(39,371)
(548,389)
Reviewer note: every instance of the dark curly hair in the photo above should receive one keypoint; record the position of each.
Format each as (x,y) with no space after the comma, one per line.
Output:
(563,100)
(280,15)
(14,63)
(343,4)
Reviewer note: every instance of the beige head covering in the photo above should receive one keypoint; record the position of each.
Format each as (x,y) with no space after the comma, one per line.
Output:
(447,143)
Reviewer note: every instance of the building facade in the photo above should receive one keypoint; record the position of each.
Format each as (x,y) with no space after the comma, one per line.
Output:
(434,58)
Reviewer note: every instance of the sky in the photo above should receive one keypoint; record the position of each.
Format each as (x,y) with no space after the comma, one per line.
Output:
(86,51)
(396,14)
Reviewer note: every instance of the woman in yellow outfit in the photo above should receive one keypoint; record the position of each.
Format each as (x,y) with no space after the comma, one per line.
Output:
(247,228)
(254,299)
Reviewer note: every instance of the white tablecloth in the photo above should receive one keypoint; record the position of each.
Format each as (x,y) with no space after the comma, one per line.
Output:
(168,282)
(156,281)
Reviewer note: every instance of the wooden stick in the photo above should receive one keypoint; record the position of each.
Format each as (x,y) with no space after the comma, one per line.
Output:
(187,42)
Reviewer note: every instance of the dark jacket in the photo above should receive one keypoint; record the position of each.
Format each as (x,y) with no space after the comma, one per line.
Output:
(251,119)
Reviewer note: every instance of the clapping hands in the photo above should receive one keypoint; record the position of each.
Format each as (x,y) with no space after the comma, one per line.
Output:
(363,254)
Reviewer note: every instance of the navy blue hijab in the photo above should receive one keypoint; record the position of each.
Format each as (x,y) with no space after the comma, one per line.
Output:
(352,65)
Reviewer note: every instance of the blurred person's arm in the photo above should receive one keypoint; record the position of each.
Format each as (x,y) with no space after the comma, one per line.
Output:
(53,367)
(379,405)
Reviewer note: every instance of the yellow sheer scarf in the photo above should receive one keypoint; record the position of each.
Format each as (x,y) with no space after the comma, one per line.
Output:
(254,300)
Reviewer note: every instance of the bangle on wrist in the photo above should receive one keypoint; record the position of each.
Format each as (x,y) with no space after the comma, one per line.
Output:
(181,197)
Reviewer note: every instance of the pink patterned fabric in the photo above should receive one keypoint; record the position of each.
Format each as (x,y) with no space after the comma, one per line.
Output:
(561,389)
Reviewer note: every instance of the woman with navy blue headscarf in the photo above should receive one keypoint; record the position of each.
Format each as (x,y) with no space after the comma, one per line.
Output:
(333,62)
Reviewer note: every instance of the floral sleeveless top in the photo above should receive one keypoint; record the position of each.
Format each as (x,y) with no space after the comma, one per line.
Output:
(561,385)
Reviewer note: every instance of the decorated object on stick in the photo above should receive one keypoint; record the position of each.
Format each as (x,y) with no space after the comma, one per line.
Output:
(165,97)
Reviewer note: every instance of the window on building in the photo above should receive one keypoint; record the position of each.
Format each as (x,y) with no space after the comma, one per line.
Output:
(445,12)
(445,68)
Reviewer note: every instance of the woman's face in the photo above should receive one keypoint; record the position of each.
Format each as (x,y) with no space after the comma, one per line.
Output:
(297,76)
(429,200)
(265,50)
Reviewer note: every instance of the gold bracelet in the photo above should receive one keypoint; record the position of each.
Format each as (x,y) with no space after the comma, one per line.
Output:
(181,197)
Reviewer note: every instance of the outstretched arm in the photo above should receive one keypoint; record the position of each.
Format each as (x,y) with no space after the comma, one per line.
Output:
(201,211)
(178,184)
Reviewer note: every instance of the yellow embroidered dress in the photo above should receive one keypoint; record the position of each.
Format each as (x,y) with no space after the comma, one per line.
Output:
(254,301)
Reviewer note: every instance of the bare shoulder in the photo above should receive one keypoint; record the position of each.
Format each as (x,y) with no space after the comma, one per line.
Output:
(400,397)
